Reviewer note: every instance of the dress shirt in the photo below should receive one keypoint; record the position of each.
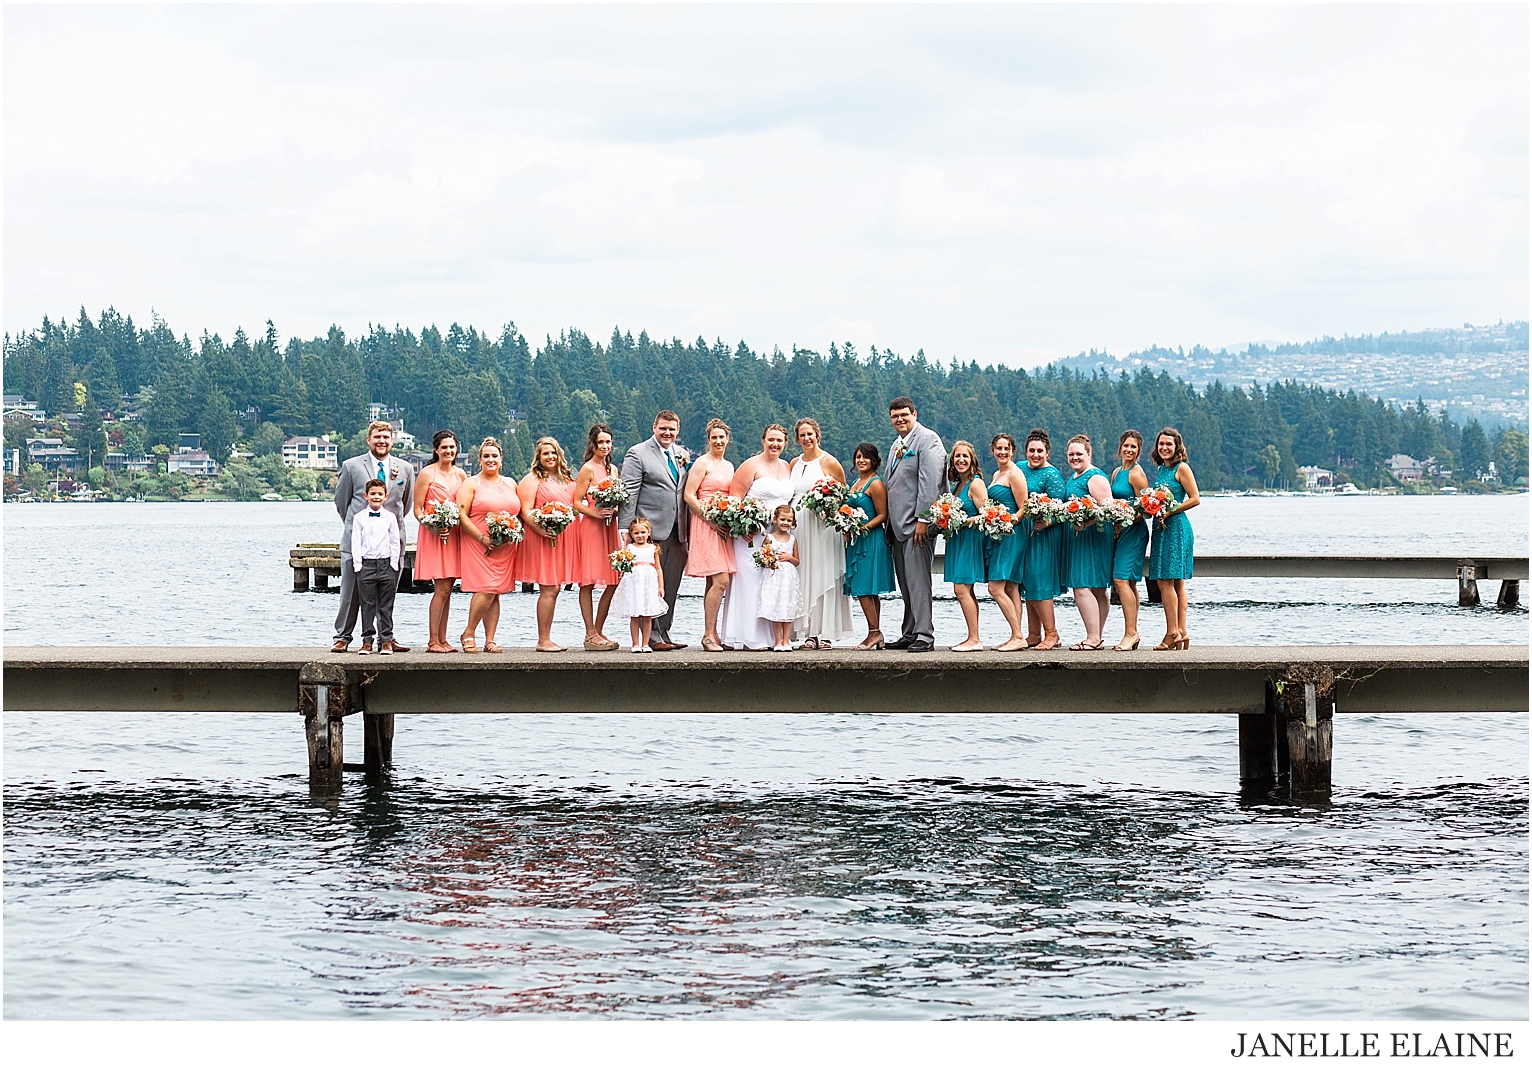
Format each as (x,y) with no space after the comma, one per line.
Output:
(375,535)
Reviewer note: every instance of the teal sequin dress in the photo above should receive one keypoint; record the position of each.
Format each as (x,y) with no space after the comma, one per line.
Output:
(1132,543)
(1006,557)
(869,564)
(1088,557)
(1170,556)
(964,549)
(1042,568)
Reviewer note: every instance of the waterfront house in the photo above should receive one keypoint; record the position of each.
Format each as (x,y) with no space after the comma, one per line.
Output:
(309,453)
(50,454)
(1317,479)
(194,462)
(121,462)
(1405,469)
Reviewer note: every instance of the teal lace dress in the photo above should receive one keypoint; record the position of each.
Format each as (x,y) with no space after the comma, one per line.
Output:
(1170,556)
(1088,557)
(1042,568)
(869,565)
(1132,543)
(964,549)
(1006,557)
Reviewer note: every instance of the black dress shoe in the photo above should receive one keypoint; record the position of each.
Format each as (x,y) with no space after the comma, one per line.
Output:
(921,646)
(900,643)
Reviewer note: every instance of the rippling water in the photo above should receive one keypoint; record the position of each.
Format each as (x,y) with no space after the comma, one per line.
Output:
(859,866)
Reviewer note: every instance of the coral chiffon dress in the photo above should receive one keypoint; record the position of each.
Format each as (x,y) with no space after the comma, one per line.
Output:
(492,571)
(710,552)
(435,558)
(543,561)
(594,542)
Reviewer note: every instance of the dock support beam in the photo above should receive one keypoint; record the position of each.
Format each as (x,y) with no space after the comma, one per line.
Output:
(1306,710)
(378,730)
(1468,586)
(1151,592)
(300,579)
(1510,594)
(326,695)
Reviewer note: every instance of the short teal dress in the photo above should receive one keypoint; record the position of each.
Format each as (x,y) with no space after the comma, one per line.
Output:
(1042,566)
(1170,557)
(1006,557)
(1132,543)
(869,564)
(1088,557)
(965,549)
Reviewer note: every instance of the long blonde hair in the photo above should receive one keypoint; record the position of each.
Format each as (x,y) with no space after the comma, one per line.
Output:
(562,471)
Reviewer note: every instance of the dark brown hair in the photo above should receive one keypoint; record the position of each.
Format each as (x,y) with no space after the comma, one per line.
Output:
(900,402)
(590,443)
(1040,434)
(870,450)
(1130,433)
(436,442)
(1175,435)
(974,470)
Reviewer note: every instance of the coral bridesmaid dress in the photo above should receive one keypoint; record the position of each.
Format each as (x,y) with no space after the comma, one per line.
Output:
(540,560)
(492,571)
(435,558)
(709,551)
(594,543)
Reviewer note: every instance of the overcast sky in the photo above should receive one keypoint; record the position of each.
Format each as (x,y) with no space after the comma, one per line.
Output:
(1010,184)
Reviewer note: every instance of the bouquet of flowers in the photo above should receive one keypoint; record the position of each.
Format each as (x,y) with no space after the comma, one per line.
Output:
(1120,513)
(554,517)
(622,560)
(503,529)
(1081,512)
(1043,508)
(824,498)
(742,518)
(608,493)
(946,514)
(847,520)
(996,521)
(441,517)
(1155,503)
(766,556)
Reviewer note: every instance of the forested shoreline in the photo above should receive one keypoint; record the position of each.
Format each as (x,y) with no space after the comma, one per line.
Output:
(254,391)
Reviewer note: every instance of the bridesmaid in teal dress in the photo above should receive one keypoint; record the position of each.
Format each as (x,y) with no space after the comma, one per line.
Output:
(869,564)
(1170,556)
(1088,559)
(1128,481)
(964,549)
(1043,564)
(1006,558)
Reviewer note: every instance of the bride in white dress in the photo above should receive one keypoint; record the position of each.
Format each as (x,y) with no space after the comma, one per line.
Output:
(824,612)
(767,478)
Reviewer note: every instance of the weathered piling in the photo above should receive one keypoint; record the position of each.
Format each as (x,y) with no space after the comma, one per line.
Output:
(327,693)
(1510,594)
(1468,585)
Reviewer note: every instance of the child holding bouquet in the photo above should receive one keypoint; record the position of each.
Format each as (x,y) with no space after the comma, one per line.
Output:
(779,587)
(641,593)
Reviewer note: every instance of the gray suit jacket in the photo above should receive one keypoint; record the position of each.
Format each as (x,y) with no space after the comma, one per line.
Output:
(653,493)
(914,482)
(351,491)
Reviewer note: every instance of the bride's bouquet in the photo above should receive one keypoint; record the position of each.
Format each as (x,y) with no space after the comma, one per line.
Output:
(996,521)
(740,517)
(824,498)
(1041,507)
(503,529)
(608,493)
(554,517)
(946,514)
(441,517)
(847,520)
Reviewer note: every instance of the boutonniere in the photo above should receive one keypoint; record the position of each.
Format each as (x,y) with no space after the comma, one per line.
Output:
(393,470)
(903,452)
(682,459)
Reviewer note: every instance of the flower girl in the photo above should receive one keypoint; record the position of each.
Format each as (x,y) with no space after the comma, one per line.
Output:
(641,593)
(778,554)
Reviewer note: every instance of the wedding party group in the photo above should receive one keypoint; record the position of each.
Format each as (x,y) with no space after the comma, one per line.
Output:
(784,547)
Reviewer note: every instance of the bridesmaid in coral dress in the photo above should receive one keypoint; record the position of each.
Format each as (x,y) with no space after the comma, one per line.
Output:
(595,535)
(711,553)
(486,572)
(544,558)
(436,557)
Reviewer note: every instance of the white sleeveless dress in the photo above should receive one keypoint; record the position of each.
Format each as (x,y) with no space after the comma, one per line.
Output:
(739,623)
(823,610)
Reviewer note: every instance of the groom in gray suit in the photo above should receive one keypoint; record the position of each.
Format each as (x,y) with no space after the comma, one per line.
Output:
(654,473)
(914,479)
(350,498)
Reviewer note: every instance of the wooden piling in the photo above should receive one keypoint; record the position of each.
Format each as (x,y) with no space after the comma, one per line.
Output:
(322,579)
(1152,594)
(300,579)
(326,695)
(1305,701)
(1510,594)
(1468,586)
(378,731)
(1261,735)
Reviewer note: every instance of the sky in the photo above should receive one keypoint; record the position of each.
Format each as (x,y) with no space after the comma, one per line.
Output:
(1010,184)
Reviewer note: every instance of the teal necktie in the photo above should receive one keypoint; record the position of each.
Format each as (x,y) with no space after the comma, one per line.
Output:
(381,476)
(674,471)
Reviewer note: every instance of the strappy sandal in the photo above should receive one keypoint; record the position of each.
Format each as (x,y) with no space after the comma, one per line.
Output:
(810,645)
(709,645)
(490,646)
(1081,646)
(1170,641)
(870,645)
(1044,646)
(468,643)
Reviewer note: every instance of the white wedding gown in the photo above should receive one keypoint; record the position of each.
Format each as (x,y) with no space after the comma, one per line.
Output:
(823,610)
(739,622)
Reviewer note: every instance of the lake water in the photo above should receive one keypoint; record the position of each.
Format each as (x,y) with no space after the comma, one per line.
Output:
(845,867)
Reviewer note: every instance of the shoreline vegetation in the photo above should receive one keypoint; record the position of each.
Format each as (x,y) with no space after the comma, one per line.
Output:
(109,385)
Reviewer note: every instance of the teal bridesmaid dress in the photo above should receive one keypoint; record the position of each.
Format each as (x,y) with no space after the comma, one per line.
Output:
(964,563)
(1170,556)
(869,564)
(1043,563)
(1088,559)
(1006,557)
(1132,543)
